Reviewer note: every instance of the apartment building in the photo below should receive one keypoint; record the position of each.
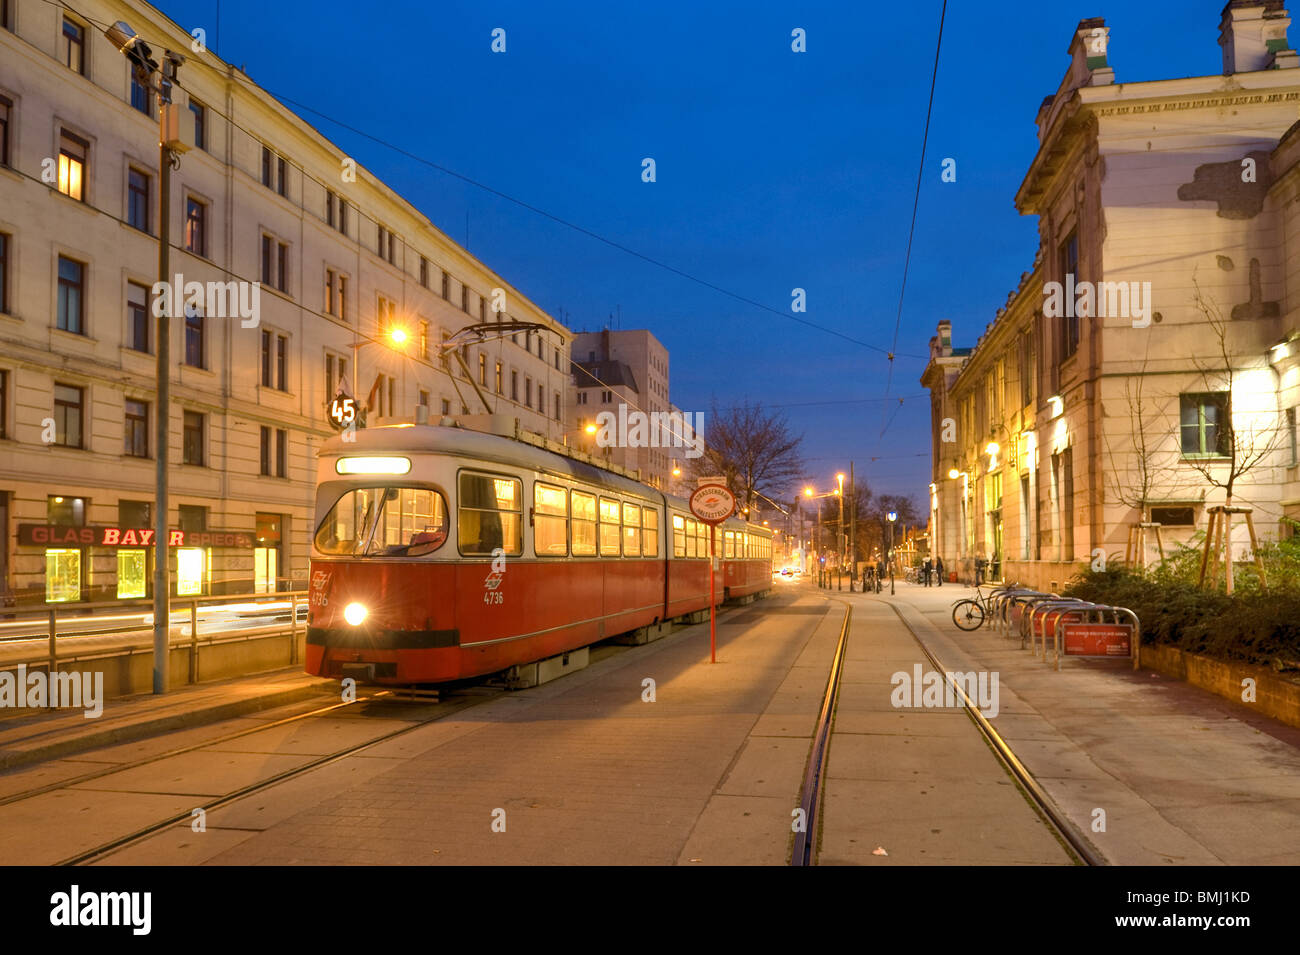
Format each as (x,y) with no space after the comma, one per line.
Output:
(627,367)
(356,292)
(1152,351)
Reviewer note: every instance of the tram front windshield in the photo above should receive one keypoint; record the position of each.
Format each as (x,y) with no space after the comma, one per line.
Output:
(384,522)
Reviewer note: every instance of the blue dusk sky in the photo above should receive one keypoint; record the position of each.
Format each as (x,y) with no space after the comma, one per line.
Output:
(775,170)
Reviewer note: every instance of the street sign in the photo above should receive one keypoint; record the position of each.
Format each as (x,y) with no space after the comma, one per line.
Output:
(713,503)
(342,410)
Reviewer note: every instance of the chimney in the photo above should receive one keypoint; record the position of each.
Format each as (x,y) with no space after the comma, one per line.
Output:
(1253,36)
(945,337)
(1087,51)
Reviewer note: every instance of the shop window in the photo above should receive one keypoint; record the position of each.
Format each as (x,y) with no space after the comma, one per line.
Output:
(132,574)
(191,567)
(66,511)
(62,575)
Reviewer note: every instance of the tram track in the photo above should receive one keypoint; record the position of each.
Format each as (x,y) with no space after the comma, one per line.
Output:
(441,710)
(805,843)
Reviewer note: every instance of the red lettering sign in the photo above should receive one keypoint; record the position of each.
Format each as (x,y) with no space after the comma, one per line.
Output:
(175,538)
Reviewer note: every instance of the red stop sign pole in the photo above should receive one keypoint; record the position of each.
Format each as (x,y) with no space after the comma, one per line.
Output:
(713,504)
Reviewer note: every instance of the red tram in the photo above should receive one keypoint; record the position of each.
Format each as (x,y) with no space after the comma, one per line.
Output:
(442,554)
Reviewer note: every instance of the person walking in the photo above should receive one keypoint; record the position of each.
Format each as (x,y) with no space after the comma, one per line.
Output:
(928,569)
(938,569)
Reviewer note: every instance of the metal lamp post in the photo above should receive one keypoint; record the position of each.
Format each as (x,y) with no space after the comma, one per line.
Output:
(839,539)
(893,516)
(148,73)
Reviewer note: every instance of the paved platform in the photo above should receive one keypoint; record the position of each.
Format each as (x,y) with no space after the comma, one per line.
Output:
(1183,777)
(29,737)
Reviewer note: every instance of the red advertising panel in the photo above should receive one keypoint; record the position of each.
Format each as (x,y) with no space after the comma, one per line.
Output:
(1099,639)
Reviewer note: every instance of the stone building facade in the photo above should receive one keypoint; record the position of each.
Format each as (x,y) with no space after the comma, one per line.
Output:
(1154,340)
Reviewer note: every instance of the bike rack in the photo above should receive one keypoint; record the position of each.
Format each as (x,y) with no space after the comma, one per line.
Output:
(1101,610)
(1045,609)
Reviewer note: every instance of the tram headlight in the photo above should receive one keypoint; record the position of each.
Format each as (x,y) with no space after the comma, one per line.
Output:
(354,613)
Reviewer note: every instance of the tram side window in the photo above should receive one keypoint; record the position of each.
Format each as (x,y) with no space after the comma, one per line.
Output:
(691,537)
(609,527)
(490,514)
(740,544)
(550,520)
(701,539)
(729,545)
(631,530)
(584,524)
(649,532)
(679,536)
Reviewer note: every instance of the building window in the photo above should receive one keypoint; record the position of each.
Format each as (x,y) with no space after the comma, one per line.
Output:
(196,226)
(482,369)
(4,403)
(275,263)
(514,386)
(274,361)
(385,316)
(424,272)
(499,379)
(446,286)
(541,399)
(329,292)
(72,287)
(74,46)
(1203,420)
(557,406)
(273,451)
(464,299)
(336,373)
(4,273)
(6,112)
(137,199)
(136,433)
(424,341)
(69,403)
(268,167)
(282,176)
(1292,439)
(343,298)
(73,152)
(192,444)
(141,96)
(268,260)
(200,114)
(446,407)
(1174,516)
(137,317)
(343,215)
(424,399)
(194,335)
(528,392)
(1069,317)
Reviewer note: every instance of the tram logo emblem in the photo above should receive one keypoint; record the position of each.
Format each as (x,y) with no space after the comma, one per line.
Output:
(493,580)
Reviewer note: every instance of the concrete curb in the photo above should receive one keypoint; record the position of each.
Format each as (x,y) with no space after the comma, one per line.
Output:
(142,729)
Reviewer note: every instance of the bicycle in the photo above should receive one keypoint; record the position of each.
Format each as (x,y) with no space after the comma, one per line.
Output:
(970,613)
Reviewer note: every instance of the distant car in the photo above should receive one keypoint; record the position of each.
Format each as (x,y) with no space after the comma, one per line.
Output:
(788,572)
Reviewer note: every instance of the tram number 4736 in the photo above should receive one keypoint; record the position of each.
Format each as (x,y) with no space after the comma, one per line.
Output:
(492,597)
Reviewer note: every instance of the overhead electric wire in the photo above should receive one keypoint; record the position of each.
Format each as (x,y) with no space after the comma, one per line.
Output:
(916,201)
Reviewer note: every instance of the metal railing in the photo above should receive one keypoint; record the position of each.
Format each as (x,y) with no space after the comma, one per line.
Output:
(180,606)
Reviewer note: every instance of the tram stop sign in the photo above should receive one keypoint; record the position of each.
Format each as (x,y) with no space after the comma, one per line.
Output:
(712,503)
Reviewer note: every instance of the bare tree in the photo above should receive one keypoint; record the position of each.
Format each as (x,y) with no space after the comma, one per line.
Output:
(1147,467)
(755,452)
(1239,448)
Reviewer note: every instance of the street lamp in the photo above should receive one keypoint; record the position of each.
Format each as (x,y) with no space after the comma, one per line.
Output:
(170,147)
(839,538)
(893,516)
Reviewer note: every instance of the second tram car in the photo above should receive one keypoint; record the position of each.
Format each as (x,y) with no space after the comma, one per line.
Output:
(443,554)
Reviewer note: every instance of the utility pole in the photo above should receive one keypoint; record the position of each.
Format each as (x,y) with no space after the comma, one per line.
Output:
(170,147)
(853,523)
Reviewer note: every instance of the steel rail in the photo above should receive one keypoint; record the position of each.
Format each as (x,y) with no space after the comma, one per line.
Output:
(1060,822)
(805,839)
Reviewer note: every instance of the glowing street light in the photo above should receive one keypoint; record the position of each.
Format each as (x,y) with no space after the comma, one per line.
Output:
(398,336)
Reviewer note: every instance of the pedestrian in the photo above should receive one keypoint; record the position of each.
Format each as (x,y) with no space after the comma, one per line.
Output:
(979,570)
(938,569)
(928,569)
